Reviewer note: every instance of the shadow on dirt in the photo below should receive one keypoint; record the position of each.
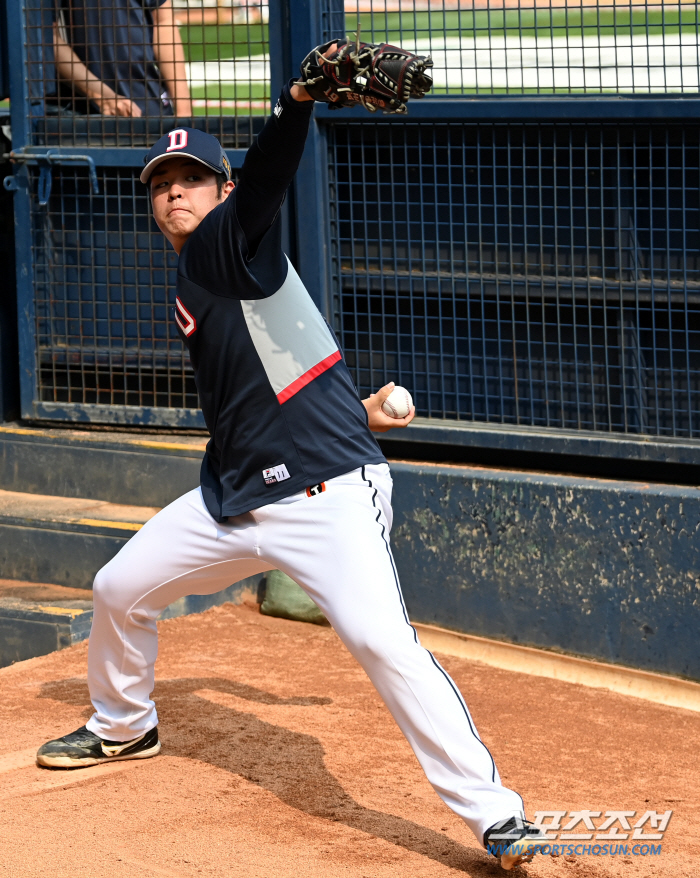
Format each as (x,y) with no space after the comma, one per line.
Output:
(289,764)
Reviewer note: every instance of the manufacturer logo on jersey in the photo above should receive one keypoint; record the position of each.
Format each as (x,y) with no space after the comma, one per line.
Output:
(177,138)
(275,474)
(184,319)
(278,109)
(315,489)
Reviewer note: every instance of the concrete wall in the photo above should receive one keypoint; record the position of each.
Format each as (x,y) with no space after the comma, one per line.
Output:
(603,569)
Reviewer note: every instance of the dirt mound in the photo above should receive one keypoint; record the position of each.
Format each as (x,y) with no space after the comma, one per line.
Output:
(280,761)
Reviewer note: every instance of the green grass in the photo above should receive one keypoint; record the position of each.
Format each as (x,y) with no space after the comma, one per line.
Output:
(213,42)
(229,111)
(210,42)
(531,22)
(239,91)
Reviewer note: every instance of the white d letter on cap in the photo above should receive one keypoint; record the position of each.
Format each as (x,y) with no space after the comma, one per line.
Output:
(178,139)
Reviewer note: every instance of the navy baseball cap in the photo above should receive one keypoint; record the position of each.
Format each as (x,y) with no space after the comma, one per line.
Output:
(190,142)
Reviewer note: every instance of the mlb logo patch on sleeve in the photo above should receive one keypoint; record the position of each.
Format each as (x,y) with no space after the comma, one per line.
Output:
(275,474)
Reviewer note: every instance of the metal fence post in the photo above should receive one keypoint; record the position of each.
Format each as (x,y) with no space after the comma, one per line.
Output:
(20,183)
(4,62)
(306,30)
(278,38)
(280,72)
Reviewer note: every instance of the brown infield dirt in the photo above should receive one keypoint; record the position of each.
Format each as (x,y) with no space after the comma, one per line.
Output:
(280,761)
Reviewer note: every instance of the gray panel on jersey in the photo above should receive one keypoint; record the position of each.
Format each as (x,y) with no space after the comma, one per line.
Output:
(293,350)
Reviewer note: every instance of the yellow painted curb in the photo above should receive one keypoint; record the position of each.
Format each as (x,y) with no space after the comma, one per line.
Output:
(658,688)
(95,439)
(63,611)
(19,431)
(121,525)
(171,446)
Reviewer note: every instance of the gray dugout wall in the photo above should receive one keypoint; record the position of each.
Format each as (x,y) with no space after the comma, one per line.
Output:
(604,569)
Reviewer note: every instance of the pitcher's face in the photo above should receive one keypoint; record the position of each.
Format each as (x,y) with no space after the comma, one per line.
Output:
(183,192)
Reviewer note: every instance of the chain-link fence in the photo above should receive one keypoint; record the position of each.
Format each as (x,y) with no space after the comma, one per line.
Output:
(520,47)
(508,262)
(531,274)
(119,73)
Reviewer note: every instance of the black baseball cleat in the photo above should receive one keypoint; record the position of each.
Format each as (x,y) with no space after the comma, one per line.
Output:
(82,748)
(514,841)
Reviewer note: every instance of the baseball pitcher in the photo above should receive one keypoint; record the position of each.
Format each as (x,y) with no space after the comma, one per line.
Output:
(292,478)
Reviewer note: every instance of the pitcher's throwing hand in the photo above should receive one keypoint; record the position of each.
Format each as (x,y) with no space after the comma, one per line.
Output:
(379,420)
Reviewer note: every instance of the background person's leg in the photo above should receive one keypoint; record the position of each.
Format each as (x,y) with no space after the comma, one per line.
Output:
(180,551)
(335,544)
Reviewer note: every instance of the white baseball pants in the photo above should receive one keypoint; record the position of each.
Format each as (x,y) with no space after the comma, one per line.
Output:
(336,546)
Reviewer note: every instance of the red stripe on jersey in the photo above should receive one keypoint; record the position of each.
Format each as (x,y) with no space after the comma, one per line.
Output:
(308,377)
(191,324)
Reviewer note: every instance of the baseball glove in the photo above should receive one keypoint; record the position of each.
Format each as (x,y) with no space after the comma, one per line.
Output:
(378,77)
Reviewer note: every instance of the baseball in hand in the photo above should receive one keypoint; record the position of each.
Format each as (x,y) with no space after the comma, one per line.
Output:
(398,403)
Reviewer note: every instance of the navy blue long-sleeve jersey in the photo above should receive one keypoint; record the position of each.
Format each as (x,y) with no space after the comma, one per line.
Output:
(277,397)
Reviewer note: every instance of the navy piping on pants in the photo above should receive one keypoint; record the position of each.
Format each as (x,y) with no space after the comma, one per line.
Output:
(415,635)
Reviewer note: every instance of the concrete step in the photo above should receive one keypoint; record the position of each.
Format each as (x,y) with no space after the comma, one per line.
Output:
(600,568)
(142,468)
(69,500)
(39,618)
(62,540)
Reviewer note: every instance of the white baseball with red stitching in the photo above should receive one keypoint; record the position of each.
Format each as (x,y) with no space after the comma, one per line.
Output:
(398,403)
